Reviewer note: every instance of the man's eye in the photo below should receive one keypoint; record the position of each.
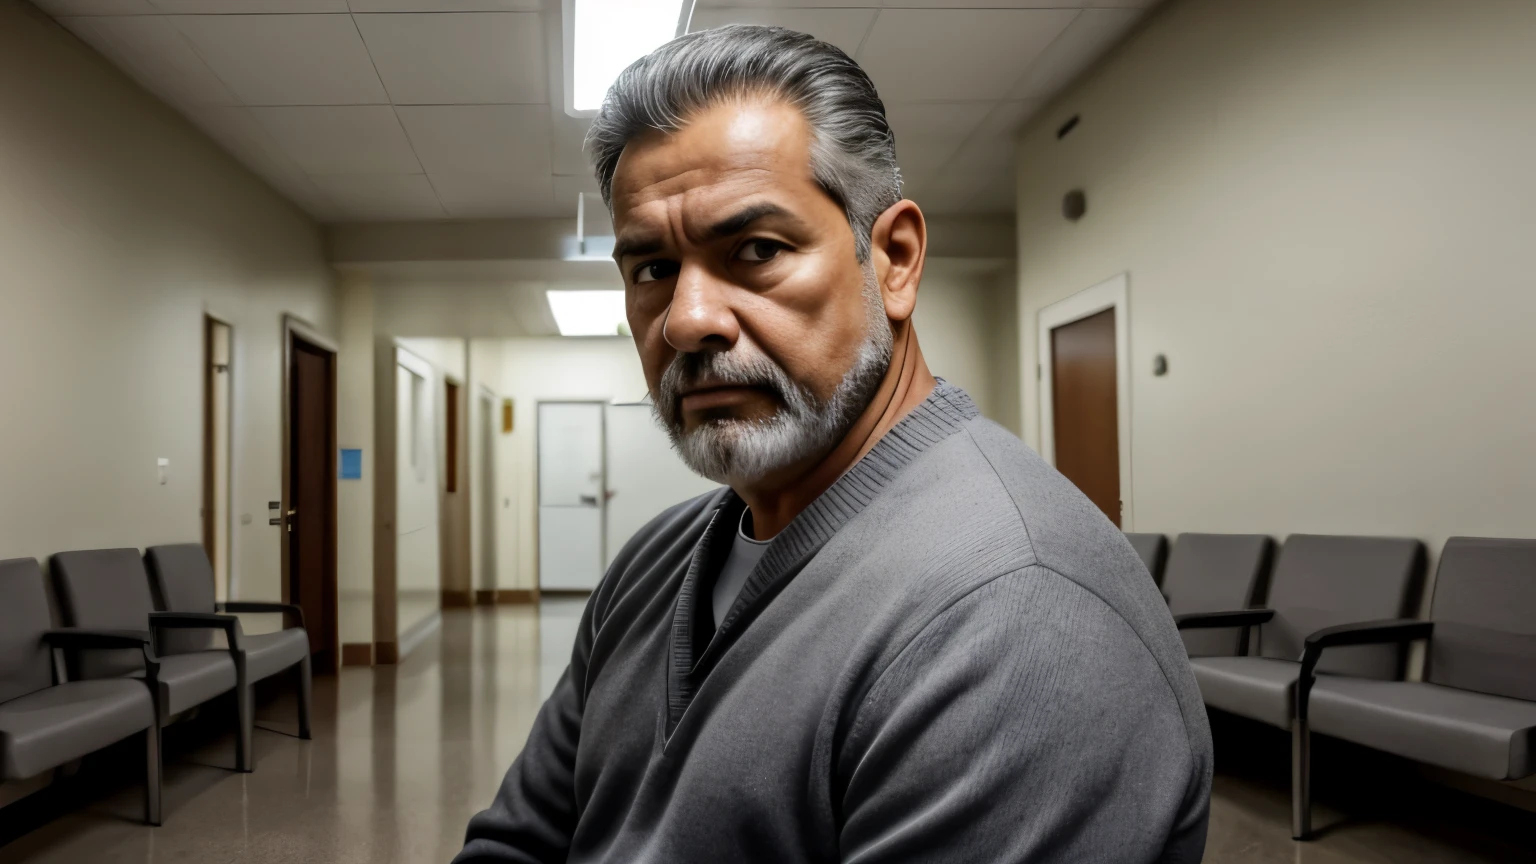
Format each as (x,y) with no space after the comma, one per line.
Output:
(758,251)
(653,270)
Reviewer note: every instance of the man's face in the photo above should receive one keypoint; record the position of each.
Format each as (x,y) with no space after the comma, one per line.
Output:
(761,335)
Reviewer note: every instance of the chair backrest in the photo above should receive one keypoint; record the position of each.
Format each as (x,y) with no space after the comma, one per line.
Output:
(104,589)
(183,579)
(1485,617)
(1153,549)
(25,666)
(1215,573)
(1321,581)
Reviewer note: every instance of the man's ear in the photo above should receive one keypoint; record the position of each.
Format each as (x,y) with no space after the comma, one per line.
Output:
(898,244)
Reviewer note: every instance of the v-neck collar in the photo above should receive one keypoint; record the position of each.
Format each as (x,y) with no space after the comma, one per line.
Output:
(695,647)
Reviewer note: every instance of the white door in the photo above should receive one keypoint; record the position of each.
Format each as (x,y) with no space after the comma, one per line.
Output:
(645,475)
(570,495)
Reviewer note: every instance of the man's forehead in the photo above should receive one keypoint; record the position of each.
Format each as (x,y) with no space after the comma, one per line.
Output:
(723,152)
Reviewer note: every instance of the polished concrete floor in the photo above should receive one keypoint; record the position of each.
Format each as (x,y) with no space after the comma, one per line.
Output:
(402,756)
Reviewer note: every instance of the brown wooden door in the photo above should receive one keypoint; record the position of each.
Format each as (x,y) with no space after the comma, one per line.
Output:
(1085,406)
(311,489)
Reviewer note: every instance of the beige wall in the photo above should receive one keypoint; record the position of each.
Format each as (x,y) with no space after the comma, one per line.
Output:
(119,227)
(1325,210)
(968,328)
(355,429)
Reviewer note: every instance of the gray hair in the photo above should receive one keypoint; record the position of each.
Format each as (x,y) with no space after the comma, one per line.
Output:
(853,153)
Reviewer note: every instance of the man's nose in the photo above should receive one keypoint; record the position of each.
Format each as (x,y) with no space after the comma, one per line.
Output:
(700,317)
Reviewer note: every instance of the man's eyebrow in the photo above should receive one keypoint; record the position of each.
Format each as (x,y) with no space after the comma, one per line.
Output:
(632,245)
(738,222)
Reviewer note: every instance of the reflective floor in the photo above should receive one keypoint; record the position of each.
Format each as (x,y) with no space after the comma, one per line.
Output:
(402,756)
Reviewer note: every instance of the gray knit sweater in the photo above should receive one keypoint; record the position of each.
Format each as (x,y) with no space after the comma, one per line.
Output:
(950,656)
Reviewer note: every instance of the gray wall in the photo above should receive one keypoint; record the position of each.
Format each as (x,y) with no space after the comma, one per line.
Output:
(119,226)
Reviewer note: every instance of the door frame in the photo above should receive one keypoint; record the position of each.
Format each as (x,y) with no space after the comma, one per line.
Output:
(538,487)
(211,320)
(296,329)
(1112,293)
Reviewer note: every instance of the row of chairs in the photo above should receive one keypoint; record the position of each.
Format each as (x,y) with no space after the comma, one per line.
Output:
(136,652)
(1314,638)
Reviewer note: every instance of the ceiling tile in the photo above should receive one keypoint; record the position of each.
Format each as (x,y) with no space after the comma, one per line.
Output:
(381,197)
(1084,41)
(928,133)
(286,59)
(941,195)
(479,138)
(59,8)
(994,198)
(458,58)
(495,196)
(844,28)
(918,54)
(340,139)
(446,5)
(248,7)
(991,145)
(235,130)
(157,55)
(570,132)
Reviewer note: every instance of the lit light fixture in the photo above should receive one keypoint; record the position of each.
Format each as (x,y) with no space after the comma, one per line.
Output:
(602,37)
(589,313)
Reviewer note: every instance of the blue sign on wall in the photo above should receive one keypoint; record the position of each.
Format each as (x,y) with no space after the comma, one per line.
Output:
(351,464)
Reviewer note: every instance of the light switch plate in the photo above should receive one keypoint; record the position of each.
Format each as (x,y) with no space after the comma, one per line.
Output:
(161,465)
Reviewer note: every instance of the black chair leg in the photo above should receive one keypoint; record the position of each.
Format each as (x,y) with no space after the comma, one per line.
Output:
(1301,780)
(152,774)
(244,758)
(305,697)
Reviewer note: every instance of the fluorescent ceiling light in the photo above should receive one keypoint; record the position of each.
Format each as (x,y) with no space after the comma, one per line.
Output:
(602,37)
(589,313)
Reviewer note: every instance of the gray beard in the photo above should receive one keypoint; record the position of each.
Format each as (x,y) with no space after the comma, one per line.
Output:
(805,427)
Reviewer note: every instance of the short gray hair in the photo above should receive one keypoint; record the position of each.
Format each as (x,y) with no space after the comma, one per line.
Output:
(853,153)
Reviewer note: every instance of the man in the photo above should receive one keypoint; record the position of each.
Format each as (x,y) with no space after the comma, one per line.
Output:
(896,635)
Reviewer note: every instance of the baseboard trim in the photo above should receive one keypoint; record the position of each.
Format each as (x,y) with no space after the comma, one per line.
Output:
(517,595)
(457,599)
(357,654)
(484,597)
(565,592)
(418,633)
(386,653)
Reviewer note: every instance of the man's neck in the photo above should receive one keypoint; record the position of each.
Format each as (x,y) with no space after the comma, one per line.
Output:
(907,383)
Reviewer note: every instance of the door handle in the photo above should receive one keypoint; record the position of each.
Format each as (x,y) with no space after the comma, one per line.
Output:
(589,500)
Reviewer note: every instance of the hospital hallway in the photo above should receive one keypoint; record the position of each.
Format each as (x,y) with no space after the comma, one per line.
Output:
(404,755)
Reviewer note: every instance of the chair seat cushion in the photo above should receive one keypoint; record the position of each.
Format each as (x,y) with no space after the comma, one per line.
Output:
(1255,687)
(55,725)
(1475,733)
(188,680)
(266,654)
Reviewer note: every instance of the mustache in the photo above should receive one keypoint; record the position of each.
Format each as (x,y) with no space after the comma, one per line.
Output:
(734,368)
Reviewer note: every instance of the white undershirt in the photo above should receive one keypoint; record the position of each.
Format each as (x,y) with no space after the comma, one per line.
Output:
(744,555)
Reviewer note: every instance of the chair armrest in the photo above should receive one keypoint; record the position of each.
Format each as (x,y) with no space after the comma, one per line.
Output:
(79,639)
(1388,631)
(262,606)
(199,621)
(1233,618)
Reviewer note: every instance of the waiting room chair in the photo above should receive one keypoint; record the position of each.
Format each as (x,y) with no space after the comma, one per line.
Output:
(1318,582)
(1475,710)
(1212,573)
(1153,549)
(109,589)
(184,580)
(47,721)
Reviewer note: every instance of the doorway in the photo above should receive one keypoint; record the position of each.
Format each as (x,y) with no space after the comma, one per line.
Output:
(488,498)
(1085,394)
(571,483)
(217,344)
(309,493)
(454,523)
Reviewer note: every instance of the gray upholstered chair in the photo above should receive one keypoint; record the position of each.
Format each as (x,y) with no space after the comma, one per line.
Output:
(184,580)
(1318,582)
(1475,710)
(108,589)
(1153,550)
(1213,573)
(47,721)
